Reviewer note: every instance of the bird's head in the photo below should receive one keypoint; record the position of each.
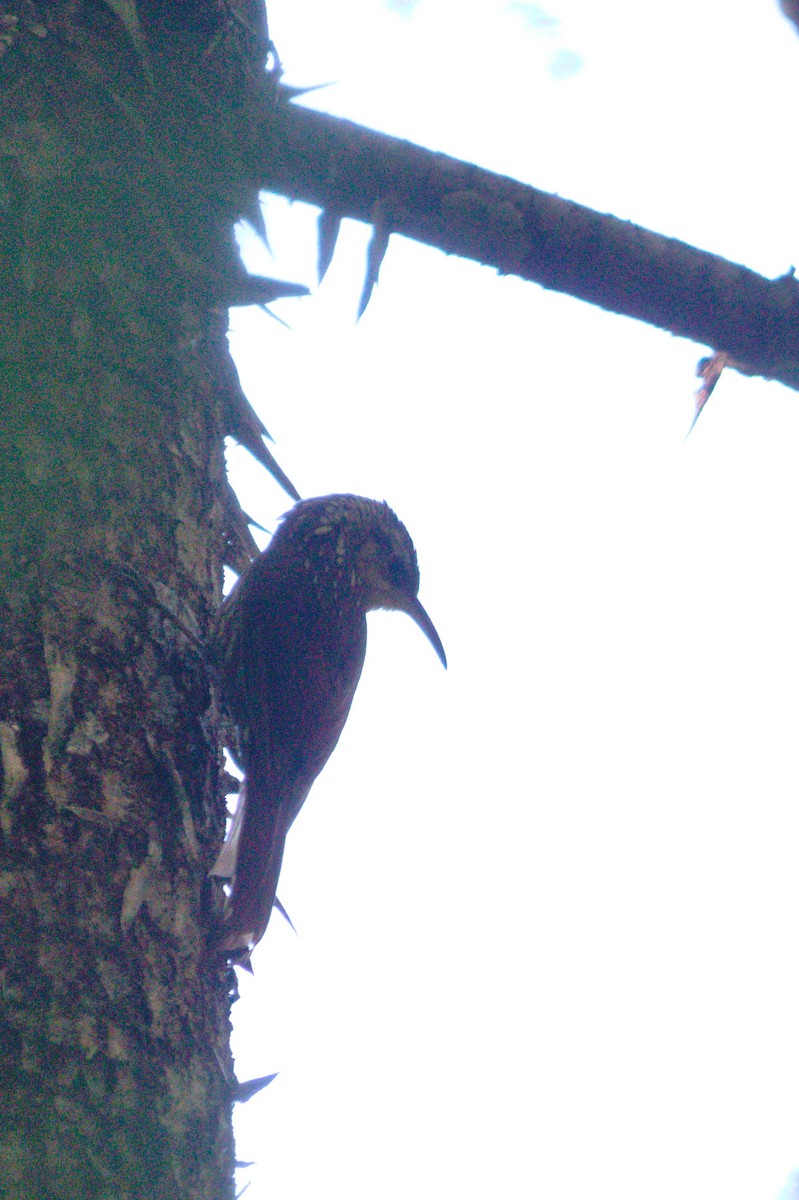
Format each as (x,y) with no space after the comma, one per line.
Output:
(365,551)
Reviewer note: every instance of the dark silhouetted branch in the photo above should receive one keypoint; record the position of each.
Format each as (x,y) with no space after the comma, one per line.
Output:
(460,209)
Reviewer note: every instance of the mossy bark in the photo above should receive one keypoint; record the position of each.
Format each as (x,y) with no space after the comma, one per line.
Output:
(126,153)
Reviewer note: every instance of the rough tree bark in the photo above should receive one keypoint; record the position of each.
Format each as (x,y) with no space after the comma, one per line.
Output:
(125,154)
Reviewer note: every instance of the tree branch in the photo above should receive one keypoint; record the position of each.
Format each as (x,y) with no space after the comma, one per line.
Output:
(460,209)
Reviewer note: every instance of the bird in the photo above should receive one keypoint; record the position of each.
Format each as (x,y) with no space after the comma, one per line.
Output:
(289,647)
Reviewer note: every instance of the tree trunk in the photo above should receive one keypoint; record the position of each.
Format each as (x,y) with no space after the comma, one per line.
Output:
(126,152)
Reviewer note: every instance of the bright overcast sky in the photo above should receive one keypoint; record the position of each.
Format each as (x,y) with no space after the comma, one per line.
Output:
(547,901)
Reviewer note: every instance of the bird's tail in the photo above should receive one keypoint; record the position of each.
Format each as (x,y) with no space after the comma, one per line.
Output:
(250,858)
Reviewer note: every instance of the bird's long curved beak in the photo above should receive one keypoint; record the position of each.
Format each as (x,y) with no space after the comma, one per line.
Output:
(415,609)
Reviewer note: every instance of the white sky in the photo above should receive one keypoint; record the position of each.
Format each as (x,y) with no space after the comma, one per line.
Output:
(547,901)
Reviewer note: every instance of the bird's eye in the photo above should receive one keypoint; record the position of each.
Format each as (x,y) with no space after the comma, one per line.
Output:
(399,574)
